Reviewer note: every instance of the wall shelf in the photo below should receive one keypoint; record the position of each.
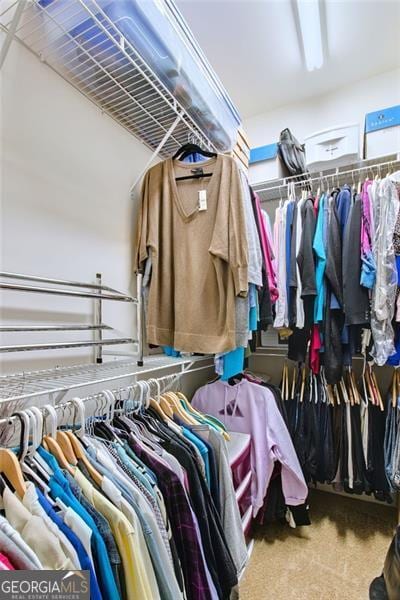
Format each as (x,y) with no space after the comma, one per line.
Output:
(59,380)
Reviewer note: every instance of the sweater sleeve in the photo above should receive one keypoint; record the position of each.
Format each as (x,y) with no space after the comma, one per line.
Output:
(238,249)
(141,247)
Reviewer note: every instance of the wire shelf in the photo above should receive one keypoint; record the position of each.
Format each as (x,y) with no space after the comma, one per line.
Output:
(21,386)
(99,62)
(276,189)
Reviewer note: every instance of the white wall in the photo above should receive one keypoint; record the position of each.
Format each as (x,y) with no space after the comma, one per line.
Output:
(65,205)
(346,105)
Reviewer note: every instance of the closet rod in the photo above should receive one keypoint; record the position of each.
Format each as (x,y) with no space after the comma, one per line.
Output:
(54,291)
(307,179)
(58,345)
(28,328)
(54,281)
(276,355)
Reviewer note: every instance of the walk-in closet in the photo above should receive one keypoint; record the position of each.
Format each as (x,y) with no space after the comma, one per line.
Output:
(200,300)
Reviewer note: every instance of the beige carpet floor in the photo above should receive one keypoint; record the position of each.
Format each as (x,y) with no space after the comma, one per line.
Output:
(333,559)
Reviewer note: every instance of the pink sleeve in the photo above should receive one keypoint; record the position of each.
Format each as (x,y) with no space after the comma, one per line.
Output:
(273,289)
(6,564)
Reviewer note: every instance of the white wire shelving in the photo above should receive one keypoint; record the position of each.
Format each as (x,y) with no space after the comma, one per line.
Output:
(101,63)
(276,189)
(58,381)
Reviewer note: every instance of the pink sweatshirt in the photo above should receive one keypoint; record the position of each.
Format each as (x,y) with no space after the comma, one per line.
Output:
(266,248)
(250,408)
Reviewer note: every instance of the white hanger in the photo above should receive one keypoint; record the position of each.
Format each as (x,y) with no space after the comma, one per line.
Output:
(24,443)
(158,388)
(51,412)
(79,407)
(109,406)
(35,458)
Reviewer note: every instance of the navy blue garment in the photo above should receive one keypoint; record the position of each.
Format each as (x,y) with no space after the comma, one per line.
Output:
(289,222)
(343,205)
(85,562)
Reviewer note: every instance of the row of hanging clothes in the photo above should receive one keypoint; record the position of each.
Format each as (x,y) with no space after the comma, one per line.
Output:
(345,434)
(337,263)
(133,486)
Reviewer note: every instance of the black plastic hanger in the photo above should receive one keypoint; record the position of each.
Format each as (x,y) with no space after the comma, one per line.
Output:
(235,379)
(188,149)
(197,171)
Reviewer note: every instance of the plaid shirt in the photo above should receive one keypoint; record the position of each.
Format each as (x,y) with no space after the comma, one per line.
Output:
(147,495)
(183,527)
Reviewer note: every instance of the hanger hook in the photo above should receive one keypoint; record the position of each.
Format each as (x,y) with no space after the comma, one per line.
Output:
(24,437)
(51,412)
(79,407)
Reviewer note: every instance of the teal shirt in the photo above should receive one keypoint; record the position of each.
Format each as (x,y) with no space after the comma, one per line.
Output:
(319,249)
(202,448)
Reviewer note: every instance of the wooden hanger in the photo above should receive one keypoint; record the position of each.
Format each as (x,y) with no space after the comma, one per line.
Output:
(66,446)
(336,394)
(201,419)
(377,391)
(394,388)
(11,469)
(165,406)
(177,409)
(157,408)
(303,383)
(294,380)
(283,381)
(188,410)
(78,450)
(81,455)
(54,448)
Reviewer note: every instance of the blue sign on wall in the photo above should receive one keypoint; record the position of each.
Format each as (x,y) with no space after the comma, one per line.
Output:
(263,153)
(381,119)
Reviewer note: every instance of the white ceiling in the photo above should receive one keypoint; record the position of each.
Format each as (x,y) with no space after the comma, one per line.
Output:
(253,47)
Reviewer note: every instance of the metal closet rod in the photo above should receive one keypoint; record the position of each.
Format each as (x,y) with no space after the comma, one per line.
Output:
(56,292)
(24,329)
(306,179)
(111,295)
(58,345)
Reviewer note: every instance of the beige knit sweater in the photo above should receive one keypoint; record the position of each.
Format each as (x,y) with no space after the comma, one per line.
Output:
(199,257)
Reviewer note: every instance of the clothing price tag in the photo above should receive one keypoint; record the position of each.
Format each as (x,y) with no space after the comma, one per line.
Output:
(202,200)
